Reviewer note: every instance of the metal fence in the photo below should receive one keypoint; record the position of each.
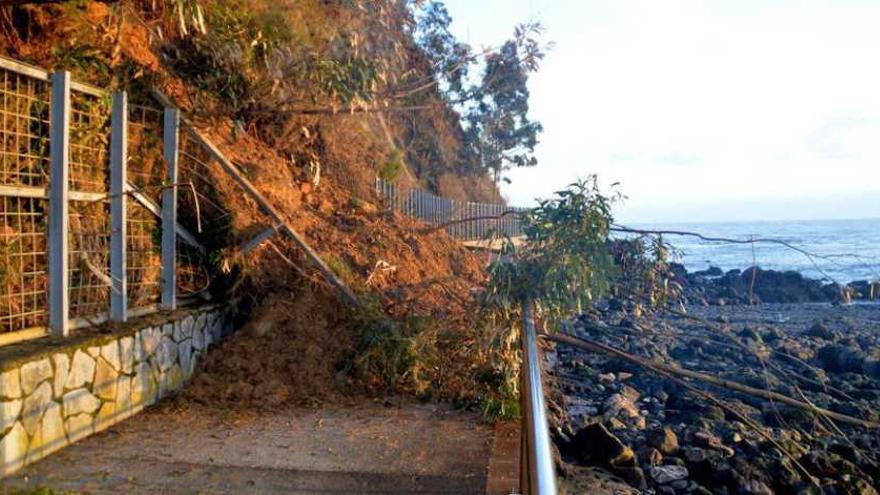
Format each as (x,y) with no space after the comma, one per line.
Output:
(83,234)
(463,220)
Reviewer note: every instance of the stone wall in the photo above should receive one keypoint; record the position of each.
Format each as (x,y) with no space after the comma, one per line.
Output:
(54,394)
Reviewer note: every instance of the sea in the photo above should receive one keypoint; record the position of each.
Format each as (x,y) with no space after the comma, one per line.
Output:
(847,250)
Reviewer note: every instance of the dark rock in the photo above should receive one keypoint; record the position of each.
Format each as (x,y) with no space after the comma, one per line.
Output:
(838,358)
(821,331)
(635,476)
(665,440)
(663,475)
(595,444)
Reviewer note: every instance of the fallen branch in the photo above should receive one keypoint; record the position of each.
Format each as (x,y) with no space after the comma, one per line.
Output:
(712,380)
(342,288)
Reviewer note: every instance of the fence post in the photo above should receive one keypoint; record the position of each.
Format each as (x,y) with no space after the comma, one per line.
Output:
(169,210)
(59,222)
(118,231)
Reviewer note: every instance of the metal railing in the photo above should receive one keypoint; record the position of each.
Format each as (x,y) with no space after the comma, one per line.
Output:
(537,471)
(463,220)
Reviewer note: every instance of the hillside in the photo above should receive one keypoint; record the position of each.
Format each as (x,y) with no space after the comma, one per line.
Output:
(298,95)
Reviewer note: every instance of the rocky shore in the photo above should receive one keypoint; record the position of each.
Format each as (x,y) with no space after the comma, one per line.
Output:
(756,285)
(658,435)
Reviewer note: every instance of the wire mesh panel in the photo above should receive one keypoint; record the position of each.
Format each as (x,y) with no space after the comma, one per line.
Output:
(89,143)
(200,206)
(23,285)
(24,130)
(89,258)
(192,277)
(24,162)
(146,163)
(144,257)
(89,235)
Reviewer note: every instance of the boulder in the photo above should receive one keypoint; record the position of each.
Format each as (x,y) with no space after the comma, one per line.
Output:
(665,440)
(595,444)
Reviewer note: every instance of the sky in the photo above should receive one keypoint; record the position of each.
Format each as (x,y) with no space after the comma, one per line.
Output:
(726,110)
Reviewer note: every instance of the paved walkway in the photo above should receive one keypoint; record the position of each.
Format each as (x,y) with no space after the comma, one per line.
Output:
(370,448)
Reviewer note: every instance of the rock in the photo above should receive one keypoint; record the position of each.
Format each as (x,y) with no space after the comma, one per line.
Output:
(80,401)
(34,373)
(630,393)
(821,331)
(624,376)
(596,444)
(635,476)
(840,359)
(166,354)
(10,385)
(663,475)
(694,455)
(82,370)
(618,405)
(105,380)
(754,487)
(607,378)
(12,449)
(706,439)
(665,440)
(9,411)
(62,368)
(126,354)
(78,427)
(110,353)
(34,406)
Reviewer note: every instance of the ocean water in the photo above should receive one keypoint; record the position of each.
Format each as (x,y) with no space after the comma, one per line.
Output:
(852,245)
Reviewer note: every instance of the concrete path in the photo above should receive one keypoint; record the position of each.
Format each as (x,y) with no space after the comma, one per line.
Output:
(368,448)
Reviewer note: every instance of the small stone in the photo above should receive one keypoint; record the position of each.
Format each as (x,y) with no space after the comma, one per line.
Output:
(94,351)
(105,380)
(80,401)
(110,352)
(168,330)
(35,373)
(62,369)
(663,475)
(607,378)
(34,406)
(630,393)
(13,447)
(706,439)
(82,370)
(10,386)
(624,376)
